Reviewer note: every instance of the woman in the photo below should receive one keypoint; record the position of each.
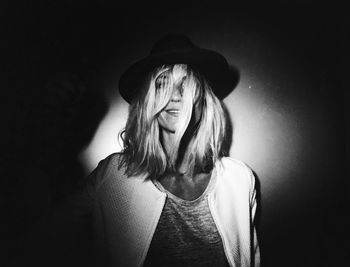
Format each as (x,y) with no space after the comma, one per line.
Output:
(171,197)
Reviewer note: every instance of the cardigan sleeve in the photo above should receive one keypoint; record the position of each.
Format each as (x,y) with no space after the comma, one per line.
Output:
(100,174)
(255,250)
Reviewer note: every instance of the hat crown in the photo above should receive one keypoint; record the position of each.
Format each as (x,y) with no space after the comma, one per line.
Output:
(172,42)
(178,49)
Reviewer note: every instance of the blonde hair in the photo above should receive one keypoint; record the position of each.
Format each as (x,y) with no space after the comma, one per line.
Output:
(143,152)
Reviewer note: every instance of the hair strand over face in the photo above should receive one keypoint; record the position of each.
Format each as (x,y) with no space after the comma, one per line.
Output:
(143,153)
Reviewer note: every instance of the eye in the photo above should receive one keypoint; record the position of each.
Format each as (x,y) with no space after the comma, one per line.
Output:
(163,80)
(183,84)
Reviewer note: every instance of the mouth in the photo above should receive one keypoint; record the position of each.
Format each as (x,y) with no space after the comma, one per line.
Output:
(173,112)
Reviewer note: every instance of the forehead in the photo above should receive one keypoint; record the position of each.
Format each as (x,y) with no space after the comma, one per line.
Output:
(176,71)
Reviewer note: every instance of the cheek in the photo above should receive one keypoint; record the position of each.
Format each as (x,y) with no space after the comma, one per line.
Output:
(167,122)
(161,120)
(197,113)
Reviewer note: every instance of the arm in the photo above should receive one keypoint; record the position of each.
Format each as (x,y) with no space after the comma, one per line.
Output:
(255,250)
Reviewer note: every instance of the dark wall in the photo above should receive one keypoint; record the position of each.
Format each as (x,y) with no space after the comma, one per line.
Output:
(290,109)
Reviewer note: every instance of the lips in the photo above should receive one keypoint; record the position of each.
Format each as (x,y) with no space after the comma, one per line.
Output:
(173,112)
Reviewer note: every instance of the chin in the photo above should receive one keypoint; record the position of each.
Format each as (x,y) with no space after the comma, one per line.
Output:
(168,128)
(168,125)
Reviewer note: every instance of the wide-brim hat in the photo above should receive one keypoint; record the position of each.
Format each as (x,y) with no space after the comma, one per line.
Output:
(179,49)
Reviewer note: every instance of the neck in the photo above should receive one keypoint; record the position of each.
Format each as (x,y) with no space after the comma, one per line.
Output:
(181,154)
(168,142)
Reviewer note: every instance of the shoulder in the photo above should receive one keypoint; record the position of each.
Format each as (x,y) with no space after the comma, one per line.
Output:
(109,166)
(111,161)
(234,165)
(236,172)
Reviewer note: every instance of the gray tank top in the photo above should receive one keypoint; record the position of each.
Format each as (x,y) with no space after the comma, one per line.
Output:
(186,234)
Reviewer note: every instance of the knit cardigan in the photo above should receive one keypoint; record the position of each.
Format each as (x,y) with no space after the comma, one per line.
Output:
(126,211)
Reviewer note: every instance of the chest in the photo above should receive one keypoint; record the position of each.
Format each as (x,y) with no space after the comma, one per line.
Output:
(186,188)
(186,235)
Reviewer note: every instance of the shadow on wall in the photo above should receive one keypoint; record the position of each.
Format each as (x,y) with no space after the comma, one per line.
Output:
(45,168)
(71,112)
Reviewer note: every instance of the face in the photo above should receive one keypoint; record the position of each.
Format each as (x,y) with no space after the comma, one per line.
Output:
(169,117)
(175,81)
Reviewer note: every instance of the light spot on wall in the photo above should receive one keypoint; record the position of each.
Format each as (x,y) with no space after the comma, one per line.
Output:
(106,140)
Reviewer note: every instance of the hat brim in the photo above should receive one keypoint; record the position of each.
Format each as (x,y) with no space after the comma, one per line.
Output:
(221,77)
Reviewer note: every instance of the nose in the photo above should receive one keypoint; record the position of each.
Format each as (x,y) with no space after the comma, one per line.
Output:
(177,93)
